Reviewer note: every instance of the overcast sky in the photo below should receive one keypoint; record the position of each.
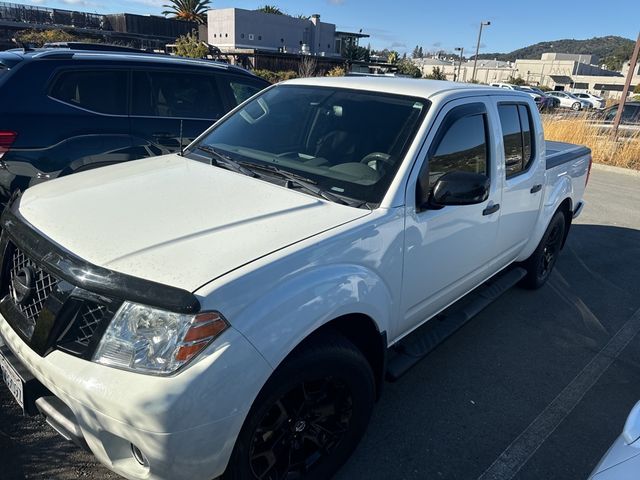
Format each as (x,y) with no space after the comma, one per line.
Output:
(403,24)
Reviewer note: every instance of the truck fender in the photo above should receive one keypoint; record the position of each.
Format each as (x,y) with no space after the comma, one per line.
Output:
(555,194)
(289,312)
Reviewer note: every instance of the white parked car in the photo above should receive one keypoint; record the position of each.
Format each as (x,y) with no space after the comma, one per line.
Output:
(568,100)
(233,311)
(596,102)
(622,460)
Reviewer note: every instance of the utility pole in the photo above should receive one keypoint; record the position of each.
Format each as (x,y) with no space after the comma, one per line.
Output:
(625,90)
(461,50)
(475,60)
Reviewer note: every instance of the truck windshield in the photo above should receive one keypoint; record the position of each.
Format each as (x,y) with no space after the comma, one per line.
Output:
(347,142)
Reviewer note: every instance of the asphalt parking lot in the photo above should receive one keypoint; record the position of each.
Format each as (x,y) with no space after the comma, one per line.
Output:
(535,387)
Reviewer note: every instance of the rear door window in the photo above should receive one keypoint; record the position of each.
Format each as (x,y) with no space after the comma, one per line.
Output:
(173,94)
(517,135)
(101,91)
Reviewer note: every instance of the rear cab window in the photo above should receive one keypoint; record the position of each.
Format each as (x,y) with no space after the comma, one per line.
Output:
(102,90)
(240,88)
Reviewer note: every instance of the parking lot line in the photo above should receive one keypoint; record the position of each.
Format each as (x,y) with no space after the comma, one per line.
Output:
(516,455)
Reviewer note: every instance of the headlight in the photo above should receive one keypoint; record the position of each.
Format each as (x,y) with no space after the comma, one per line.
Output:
(149,340)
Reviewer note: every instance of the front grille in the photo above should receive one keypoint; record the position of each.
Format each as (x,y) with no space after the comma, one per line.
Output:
(89,318)
(43,286)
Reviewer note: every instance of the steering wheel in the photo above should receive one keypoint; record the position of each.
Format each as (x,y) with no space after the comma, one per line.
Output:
(378,161)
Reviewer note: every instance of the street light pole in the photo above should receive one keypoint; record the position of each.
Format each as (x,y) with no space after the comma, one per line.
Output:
(475,60)
(461,50)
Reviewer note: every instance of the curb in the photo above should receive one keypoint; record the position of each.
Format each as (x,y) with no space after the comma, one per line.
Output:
(609,168)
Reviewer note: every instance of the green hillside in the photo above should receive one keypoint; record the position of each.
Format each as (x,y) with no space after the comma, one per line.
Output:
(611,50)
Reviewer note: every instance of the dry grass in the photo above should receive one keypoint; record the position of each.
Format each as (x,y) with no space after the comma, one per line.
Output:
(624,152)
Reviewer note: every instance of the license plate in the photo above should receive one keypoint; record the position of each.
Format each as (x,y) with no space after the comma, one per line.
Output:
(12,380)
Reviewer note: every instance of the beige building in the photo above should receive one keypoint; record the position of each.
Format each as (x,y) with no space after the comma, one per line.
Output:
(558,71)
(487,71)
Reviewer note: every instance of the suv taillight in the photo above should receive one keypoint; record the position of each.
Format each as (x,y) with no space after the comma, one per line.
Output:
(6,140)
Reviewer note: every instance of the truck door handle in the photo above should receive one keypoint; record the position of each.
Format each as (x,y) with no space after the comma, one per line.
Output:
(491,209)
(536,188)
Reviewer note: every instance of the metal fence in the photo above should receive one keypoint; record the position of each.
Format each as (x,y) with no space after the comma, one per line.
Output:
(14,12)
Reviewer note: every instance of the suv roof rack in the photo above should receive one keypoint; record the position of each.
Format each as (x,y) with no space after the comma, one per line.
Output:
(101,47)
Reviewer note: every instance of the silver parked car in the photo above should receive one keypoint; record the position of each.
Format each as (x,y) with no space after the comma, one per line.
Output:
(569,100)
(622,461)
(595,101)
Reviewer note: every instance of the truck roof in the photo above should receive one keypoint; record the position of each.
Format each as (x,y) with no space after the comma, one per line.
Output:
(415,87)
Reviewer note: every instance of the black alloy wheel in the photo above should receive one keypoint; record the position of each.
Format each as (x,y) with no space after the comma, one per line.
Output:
(305,425)
(309,416)
(540,264)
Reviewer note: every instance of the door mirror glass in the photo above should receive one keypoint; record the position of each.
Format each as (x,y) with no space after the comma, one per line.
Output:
(460,188)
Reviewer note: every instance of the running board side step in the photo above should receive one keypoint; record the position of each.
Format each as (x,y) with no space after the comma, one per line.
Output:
(413,348)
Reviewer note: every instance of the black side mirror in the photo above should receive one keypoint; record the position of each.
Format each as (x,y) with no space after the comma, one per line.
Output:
(459,188)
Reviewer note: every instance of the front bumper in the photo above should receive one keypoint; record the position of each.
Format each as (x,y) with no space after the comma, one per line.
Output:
(184,425)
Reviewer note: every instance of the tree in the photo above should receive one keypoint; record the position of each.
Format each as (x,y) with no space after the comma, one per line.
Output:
(436,74)
(307,67)
(355,53)
(392,57)
(272,9)
(189,46)
(517,80)
(420,53)
(636,89)
(416,52)
(37,38)
(191,10)
(408,68)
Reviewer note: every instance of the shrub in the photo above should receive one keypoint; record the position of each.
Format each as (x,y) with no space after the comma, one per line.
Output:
(275,77)
(408,68)
(190,46)
(38,38)
(337,71)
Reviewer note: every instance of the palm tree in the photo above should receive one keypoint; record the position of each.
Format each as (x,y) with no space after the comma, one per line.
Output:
(271,9)
(192,10)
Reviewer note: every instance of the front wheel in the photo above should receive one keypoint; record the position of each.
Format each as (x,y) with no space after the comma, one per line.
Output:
(575,106)
(540,264)
(309,416)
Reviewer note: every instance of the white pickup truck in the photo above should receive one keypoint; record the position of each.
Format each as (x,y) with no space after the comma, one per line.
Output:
(234,310)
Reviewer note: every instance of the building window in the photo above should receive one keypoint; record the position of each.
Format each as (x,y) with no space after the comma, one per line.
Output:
(329,46)
(214,35)
(259,37)
(242,35)
(251,36)
(226,35)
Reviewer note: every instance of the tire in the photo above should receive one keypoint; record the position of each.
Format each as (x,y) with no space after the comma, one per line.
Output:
(576,106)
(328,374)
(540,264)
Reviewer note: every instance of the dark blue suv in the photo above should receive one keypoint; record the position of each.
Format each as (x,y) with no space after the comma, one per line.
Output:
(67,110)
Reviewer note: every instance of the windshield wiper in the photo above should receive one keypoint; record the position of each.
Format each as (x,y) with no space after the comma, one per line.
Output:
(219,159)
(300,181)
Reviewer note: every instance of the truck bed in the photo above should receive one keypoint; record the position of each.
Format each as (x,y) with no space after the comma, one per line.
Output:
(561,152)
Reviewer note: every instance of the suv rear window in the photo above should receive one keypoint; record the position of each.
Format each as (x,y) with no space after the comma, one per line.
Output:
(102,91)
(176,95)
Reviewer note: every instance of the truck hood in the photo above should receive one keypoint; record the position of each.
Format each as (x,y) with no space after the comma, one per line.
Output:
(173,220)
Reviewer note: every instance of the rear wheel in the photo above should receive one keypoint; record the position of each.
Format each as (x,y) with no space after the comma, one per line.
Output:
(575,106)
(540,264)
(309,416)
